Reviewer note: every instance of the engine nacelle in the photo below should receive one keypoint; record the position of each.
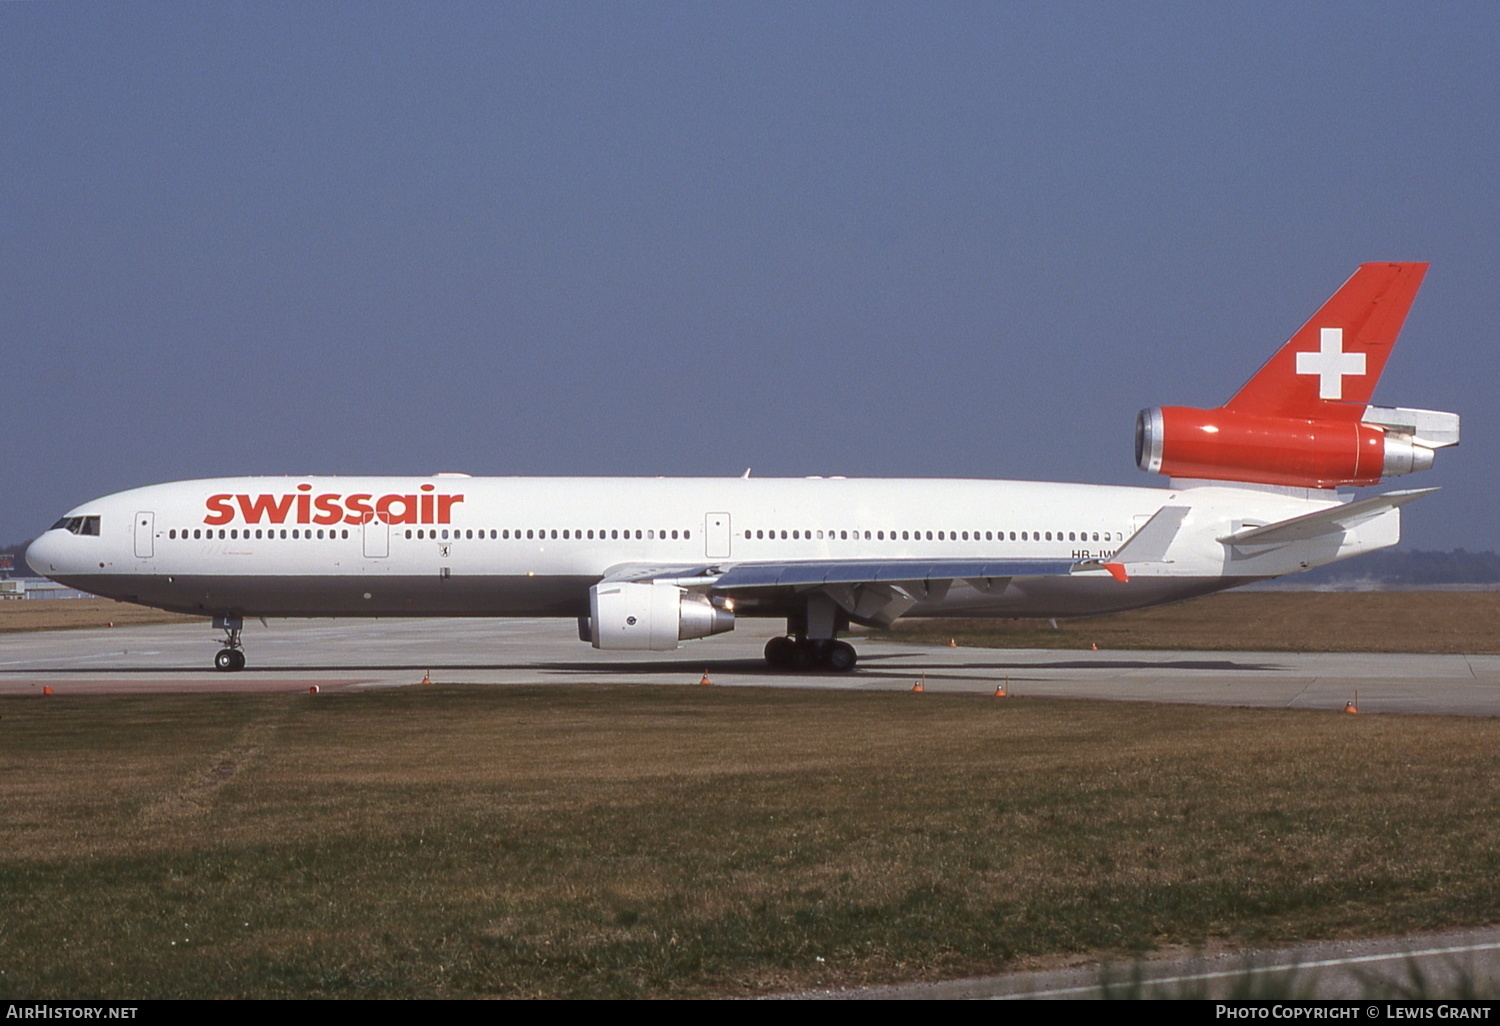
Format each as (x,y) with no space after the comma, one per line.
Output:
(1226,445)
(651,617)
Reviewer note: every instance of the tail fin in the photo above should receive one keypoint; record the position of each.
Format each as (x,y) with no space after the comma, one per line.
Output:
(1329,368)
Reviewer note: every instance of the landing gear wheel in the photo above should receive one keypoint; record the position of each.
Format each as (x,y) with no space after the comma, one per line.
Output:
(231,657)
(804,656)
(779,652)
(840,657)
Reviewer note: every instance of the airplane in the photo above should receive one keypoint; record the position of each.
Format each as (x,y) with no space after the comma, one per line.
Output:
(645,564)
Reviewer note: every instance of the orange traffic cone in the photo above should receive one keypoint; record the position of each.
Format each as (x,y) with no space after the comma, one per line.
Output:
(313,690)
(426,676)
(704,681)
(1352,706)
(919,687)
(1093,647)
(1000,691)
(952,643)
(46,689)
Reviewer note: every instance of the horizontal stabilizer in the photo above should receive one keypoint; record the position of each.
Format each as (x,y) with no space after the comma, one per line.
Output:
(1334,520)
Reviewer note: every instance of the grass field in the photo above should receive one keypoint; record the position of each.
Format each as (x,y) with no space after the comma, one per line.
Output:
(74,614)
(658,841)
(1256,621)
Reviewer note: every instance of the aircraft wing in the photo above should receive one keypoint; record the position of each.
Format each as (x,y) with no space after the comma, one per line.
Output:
(875,592)
(801,574)
(820,572)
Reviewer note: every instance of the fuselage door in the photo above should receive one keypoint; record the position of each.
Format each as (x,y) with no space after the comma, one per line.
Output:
(145,535)
(716,535)
(377,537)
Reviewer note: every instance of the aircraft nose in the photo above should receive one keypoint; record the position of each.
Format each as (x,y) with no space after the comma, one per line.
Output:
(43,555)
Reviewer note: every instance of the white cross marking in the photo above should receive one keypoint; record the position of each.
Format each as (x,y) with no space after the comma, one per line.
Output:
(1330,363)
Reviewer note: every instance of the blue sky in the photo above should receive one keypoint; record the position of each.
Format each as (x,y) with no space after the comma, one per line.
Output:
(868,239)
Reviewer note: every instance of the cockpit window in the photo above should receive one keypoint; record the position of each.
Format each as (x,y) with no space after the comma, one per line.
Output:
(78,525)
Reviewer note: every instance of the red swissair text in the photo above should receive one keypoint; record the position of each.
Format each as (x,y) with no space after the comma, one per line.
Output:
(303,507)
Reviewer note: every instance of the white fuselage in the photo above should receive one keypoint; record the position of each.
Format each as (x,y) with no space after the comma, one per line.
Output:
(468,546)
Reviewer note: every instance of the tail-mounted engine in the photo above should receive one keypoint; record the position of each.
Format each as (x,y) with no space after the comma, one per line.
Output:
(650,617)
(1230,445)
(1304,419)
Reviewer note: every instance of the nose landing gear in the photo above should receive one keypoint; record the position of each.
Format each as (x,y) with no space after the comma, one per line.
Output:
(232,656)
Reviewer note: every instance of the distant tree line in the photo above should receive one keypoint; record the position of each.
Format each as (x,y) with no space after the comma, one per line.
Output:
(1397,567)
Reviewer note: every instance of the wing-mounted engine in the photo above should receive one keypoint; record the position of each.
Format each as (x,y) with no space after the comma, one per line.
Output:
(1304,419)
(1229,445)
(645,616)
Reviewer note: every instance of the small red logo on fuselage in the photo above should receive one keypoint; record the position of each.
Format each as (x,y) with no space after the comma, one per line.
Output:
(303,507)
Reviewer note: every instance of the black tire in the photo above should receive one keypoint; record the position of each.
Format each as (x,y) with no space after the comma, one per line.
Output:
(840,657)
(226,660)
(804,655)
(239,659)
(779,652)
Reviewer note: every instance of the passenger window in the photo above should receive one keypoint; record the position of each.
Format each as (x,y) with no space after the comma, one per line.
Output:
(408,532)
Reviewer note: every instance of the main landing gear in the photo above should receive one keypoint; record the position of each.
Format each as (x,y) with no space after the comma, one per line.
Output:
(232,656)
(809,653)
(812,639)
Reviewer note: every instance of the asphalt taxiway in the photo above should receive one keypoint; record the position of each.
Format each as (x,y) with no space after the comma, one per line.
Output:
(297,654)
